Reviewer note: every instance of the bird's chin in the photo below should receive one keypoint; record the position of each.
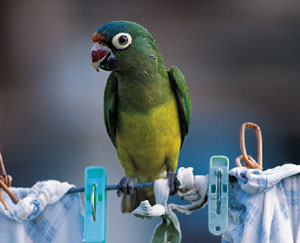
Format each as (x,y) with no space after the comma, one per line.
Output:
(107,63)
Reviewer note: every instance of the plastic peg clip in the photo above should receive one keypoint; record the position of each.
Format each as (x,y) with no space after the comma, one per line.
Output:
(218,195)
(95,205)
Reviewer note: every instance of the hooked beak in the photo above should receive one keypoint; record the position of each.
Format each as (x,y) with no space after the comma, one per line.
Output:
(102,57)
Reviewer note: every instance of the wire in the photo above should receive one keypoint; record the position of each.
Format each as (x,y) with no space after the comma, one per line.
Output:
(112,187)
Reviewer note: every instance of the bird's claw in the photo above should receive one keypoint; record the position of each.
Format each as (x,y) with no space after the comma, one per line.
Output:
(173,182)
(126,186)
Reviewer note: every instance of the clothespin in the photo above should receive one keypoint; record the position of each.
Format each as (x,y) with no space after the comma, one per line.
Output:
(218,195)
(95,205)
(5,183)
(250,162)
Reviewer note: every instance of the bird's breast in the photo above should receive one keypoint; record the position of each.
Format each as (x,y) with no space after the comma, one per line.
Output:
(148,139)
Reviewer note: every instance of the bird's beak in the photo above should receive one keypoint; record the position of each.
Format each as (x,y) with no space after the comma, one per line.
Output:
(102,57)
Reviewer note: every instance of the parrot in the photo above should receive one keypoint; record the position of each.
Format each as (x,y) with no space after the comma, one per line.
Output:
(147,108)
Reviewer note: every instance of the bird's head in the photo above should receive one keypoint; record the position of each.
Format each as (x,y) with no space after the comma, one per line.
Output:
(118,45)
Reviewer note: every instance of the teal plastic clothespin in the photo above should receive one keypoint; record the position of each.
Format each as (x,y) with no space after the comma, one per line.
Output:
(218,195)
(95,205)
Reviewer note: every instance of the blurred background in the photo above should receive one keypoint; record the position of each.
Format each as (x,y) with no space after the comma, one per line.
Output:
(241,60)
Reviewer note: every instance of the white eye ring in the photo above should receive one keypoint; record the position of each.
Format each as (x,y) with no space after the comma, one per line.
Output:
(122,40)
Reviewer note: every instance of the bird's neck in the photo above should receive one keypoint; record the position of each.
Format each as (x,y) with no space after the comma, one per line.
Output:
(143,89)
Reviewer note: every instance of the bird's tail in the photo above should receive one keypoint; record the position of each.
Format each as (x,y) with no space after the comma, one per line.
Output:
(131,202)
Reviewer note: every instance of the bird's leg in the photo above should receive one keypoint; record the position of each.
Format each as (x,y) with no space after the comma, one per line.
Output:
(126,185)
(173,182)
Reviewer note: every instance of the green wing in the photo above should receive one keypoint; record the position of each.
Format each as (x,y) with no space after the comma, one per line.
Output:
(110,107)
(183,100)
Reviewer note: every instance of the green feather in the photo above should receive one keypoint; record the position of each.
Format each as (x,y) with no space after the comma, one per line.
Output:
(110,107)
(183,99)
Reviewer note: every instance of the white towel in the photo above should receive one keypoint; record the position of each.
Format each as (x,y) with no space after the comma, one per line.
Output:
(192,188)
(265,206)
(44,214)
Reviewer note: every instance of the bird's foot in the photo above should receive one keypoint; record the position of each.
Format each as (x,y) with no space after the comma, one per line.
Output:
(173,182)
(126,186)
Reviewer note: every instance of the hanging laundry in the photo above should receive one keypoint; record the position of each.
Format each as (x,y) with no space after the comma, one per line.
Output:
(44,214)
(192,188)
(169,228)
(264,205)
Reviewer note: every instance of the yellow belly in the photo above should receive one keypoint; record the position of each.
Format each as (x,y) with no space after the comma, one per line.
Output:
(148,144)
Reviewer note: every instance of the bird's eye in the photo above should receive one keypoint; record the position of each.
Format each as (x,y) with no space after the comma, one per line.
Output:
(122,40)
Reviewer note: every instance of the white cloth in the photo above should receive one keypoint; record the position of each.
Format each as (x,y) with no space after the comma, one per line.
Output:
(192,188)
(161,192)
(265,206)
(44,214)
(169,228)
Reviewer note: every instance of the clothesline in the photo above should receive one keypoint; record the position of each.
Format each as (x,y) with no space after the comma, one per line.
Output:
(112,187)
(249,163)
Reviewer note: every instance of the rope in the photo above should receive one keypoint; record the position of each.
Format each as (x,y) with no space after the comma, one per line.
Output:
(112,187)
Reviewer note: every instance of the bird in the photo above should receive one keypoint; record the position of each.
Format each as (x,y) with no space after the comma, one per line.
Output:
(147,108)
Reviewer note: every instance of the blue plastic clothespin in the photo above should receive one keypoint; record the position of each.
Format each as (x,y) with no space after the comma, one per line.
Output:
(95,205)
(218,194)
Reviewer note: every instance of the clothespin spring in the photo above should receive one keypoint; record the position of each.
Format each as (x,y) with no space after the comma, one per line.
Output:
(93,202)
(219,173)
